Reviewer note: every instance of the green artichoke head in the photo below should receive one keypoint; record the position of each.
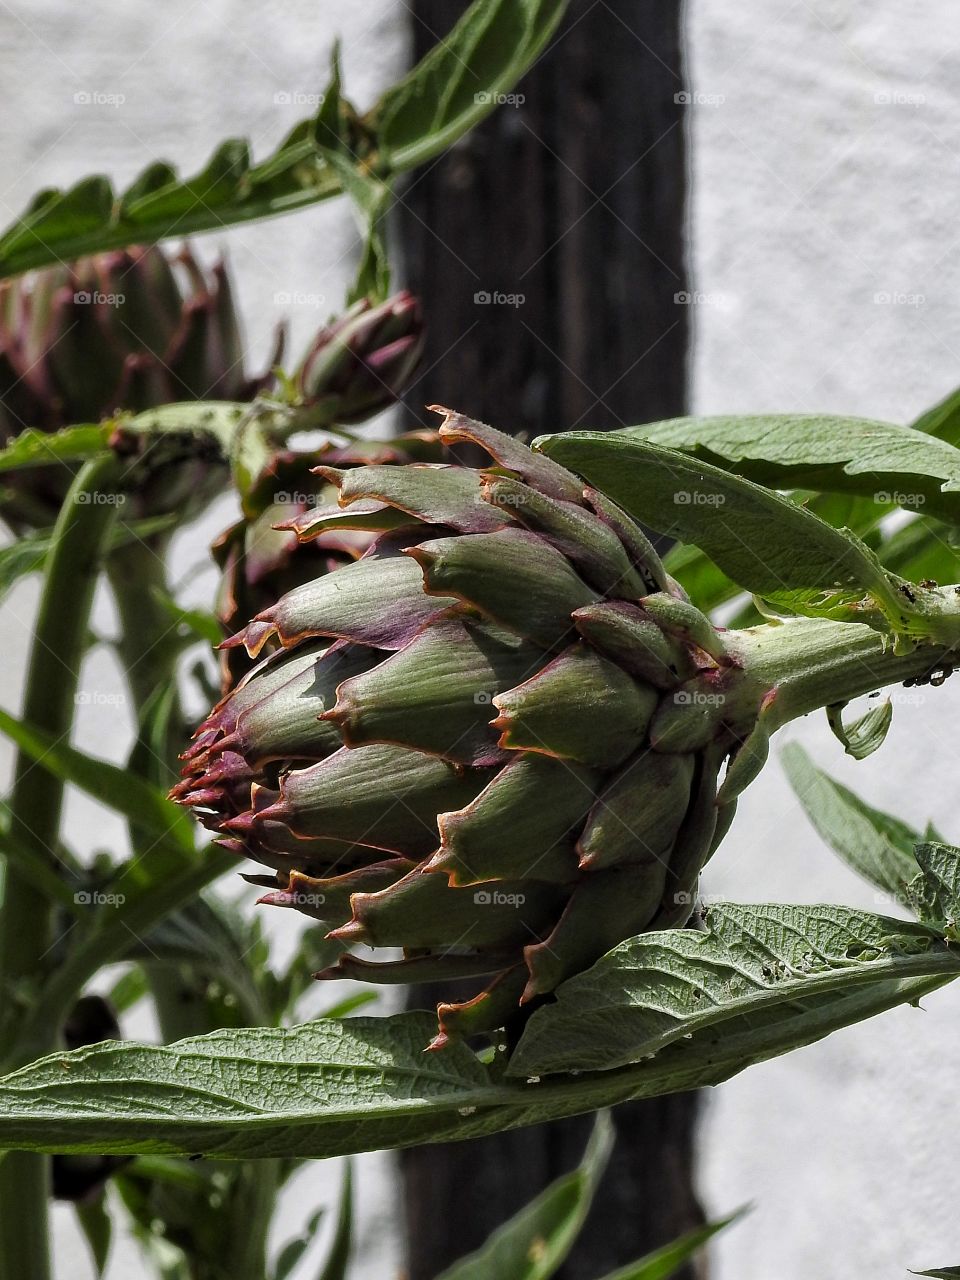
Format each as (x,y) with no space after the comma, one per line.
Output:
(492,741)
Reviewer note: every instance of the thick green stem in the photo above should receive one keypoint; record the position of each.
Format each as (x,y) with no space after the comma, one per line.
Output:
(26,923)
(814,663)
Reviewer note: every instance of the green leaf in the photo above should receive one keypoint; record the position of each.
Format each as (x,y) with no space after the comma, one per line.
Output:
(372,200)
(364,1084)
(655,989)
(864,735)
(53,214)
(33,448)
(91,218)
(41,874)
(877,846)
(462,78)
(943,420)
(881,460)
(338,1257)
(28,553)
(94,1220)
(534,1243)
(128,991)
(763,541)
(665,1262)
(115,787)
(215,941)
(944,1273)
(198,622)
(294,1249)
(936,891)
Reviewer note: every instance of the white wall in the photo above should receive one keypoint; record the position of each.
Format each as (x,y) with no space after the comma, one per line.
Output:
(810,198)
(826,171)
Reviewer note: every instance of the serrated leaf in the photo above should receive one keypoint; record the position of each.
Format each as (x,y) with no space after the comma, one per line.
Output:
(214,186)
(655,989)
(462,78)
(535,1242)
(665,1262)
(333,1088)
(881,460)
(456,85)
(876,845)
(115,787)
(764,542)
(54,214)
(864,735)
(41,448)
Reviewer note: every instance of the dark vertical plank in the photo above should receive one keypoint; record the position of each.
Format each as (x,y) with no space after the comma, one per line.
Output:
(570,206)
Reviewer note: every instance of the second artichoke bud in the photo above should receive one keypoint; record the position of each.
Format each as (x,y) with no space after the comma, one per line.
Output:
(466,744)
(361,362)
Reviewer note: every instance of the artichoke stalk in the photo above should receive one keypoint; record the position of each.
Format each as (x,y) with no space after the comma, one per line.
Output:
(502,740)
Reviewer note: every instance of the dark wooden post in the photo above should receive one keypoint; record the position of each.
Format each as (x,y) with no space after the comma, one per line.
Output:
(548,250)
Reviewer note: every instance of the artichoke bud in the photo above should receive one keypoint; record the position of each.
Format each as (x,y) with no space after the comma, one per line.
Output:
(493,740)
(359,364)
(126,330)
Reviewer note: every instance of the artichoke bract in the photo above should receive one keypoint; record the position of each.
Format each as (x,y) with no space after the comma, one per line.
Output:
(256,558)
(493,741)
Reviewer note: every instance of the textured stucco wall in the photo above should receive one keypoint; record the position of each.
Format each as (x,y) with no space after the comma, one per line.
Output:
(811,198)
